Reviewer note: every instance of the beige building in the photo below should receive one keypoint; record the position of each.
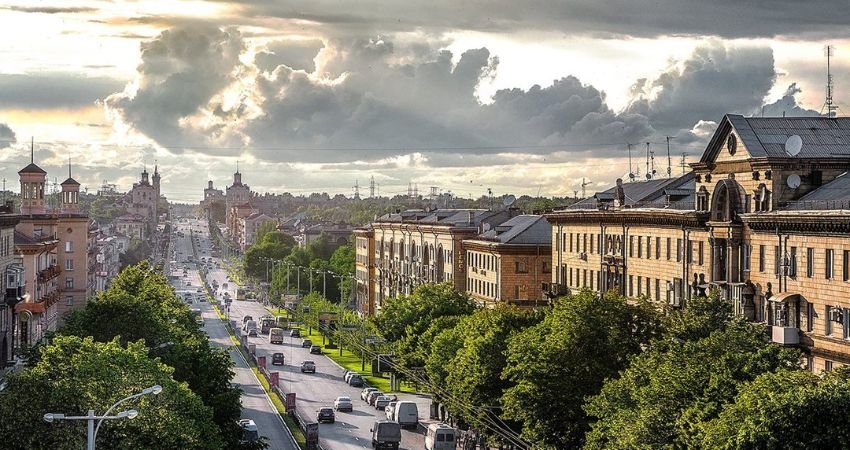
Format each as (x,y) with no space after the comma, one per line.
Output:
(12,285)
(364,270)
(763,218)
(53,245)
(510,262)
(237,194)
(248,227)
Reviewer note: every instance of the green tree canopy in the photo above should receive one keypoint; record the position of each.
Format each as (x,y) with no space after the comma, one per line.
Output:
(583,340)
(275,245)
(787,409)
(668,393)
(76,374)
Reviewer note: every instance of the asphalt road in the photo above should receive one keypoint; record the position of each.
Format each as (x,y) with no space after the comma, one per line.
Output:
(351,429)
(256,404)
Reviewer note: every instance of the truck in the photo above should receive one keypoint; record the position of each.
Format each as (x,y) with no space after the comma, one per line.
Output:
(386,434)
(276,336)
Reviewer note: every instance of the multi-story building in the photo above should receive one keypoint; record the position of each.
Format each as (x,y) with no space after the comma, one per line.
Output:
(510,262)
(338,233)
(54,255)
(248,227)
(763,218)
(143,200)
(235,195)
(133,226)
(415,247)
(364,270)
(235,222)
(12,284)
(213,199)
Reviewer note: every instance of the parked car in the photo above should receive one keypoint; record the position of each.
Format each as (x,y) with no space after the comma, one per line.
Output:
(295,332)
(343,404)
(355,380)
(370,399)
(389,410)
(325,415)
(366,392)
(315,350)
(386,434)
(347,374)
(306,343)
(308,366)
(277,359)
(382,401)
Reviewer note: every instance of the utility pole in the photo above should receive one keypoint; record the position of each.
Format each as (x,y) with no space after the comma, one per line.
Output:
(631,172)
(584,184)
(669,161)
(683,163)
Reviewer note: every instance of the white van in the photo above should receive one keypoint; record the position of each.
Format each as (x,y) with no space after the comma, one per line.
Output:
(406,414)
(440,437)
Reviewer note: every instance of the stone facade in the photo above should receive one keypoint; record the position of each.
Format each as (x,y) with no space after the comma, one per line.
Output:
(364,270)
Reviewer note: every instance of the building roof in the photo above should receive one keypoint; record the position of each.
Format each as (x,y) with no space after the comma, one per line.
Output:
(70,182)
(519,230)
(32,168)
(454,217)
(833,195)
(651,193)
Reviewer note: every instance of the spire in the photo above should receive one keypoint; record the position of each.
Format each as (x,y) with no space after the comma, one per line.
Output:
(237,166)
(69,166)
(32,149)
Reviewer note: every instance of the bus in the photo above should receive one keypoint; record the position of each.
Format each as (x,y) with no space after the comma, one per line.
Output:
(240,294)
(276,336)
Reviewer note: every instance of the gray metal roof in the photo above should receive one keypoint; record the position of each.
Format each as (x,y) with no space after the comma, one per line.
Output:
(833,195)
(822,137)
(645,193)
(457,217)
(523,229)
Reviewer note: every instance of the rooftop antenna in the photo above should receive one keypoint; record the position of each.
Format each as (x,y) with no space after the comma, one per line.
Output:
(32,150)
(584,184)
(356,190)
(372,187)
(575,194)
(683,163)
(648,173)
(669,161)
(828,105)
(631,173)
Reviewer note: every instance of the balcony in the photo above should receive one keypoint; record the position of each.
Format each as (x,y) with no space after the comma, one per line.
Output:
(49,298)
(785,335)
(49,273)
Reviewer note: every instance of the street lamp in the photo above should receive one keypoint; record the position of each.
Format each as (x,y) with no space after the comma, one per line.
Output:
(91,417)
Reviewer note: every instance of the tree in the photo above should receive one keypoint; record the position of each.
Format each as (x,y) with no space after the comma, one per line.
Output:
(275,245)
(475,377)
(444,347)
(583,340)
(664,398)
(265,228)
(76,374)
(140,305)
(137,252)
(787,409)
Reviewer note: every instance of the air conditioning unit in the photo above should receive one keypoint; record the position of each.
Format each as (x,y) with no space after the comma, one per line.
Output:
(836,315)
(582,256)
(483,272)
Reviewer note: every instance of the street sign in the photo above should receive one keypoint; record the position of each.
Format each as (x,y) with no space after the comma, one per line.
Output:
(348,327)
(375,340)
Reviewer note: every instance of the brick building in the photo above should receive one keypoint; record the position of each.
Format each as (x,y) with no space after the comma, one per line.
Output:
(763,218)
(510,262)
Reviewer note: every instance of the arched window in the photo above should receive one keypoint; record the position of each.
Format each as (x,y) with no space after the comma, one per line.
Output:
(726,201)
(702,199)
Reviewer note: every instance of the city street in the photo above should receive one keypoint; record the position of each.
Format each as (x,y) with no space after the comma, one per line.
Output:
(256,405)
(351,429)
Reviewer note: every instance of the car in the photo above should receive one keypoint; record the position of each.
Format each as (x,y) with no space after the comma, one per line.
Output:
(343,404)
(308,366)
(325,415)
(246,318)
(347,374)
(295,332)
(382,401)
(355,380)
(370,399)
(306,343)
(365,392)
(199,291)
(252,332)
(315,350)
(390,410)
(249,431)
(277,359)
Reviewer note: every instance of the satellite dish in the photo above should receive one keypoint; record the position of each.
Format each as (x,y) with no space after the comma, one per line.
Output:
(793,145)
(649,176)
(793,181)
(632,176)
(509,200)
(486,227)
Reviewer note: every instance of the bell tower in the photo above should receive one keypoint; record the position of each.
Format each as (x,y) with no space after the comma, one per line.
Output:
(32,187)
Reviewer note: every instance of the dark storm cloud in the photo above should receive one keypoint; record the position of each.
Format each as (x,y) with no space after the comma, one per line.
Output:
(377,99)
(7,136)
(51,9)
(53,90)
(643,18)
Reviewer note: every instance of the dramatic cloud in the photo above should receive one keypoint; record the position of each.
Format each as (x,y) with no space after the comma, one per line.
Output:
(53,90)
(715,80)
(7,136)
(788,106)
(643,18)
(295,54)
(52,9)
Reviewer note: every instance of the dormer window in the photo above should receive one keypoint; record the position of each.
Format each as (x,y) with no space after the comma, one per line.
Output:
(702,199)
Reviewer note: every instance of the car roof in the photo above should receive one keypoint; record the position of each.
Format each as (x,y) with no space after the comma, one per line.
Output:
(343,397)
(384,397)
(307,361)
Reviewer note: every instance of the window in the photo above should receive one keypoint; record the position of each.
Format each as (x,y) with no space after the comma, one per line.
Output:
(584,277)
(69,264)
(668,249)
(828,270)
(777,260)
(591,280)
(631,246)
(827,365)
(810,262)
(746,257)
(69,283)
(678,250)
(648,247)
(846,265)
(547,267)
(631,286)
(793,263)
(658,248)
(640,284)
(689,252)
(571,277)
(810,316)
(69,300)
(584,243)
(69,247)
(640,246)
(700,250)
(828,322)
(521,266)
(571,242)
(657,289)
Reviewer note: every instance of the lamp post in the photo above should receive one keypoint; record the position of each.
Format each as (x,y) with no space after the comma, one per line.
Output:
(91,417)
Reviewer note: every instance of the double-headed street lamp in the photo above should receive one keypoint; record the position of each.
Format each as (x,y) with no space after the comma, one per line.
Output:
(91,417)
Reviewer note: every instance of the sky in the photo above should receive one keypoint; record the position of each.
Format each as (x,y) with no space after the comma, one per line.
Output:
(319,96)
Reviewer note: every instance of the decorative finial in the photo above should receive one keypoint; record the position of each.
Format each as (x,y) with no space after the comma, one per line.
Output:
(237,166)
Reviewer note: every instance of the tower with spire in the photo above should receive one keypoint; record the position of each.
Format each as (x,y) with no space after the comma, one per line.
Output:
(237,194)
(155,179)
(32,179)
(70,194)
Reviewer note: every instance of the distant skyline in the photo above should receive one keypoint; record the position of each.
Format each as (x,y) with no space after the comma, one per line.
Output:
(313,96)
